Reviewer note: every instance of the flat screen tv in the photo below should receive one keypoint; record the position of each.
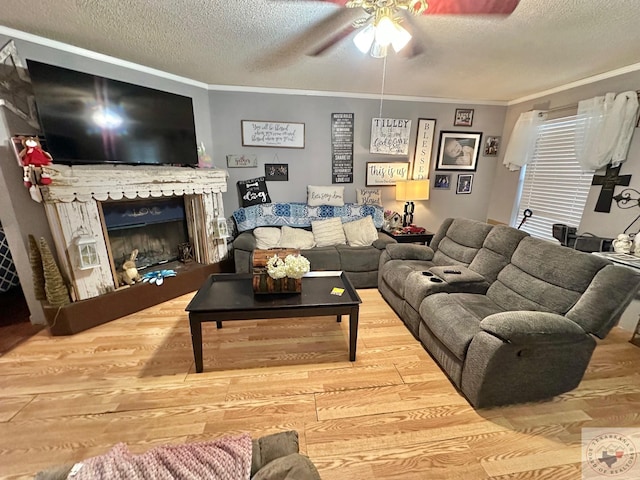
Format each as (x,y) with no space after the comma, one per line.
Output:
(88,119)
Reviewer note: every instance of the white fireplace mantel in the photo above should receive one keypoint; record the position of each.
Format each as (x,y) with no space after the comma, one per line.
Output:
(114,182)
(72,203)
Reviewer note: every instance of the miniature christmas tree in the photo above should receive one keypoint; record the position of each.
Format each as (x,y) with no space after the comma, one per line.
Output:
(55,288)
(37,271)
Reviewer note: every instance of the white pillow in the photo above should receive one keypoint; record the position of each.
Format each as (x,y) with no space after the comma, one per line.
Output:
(330,195)
(360,233)
(296,238)
(368,196)
(328,232)
(266,237)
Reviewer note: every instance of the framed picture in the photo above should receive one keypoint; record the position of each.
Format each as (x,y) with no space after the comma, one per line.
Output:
(463,118)
(465,181)
(442,182)
(390,136)
(276,172)
(242,161)
(424,148)
(491,146)
(257,133)
(459,151)
(381,173)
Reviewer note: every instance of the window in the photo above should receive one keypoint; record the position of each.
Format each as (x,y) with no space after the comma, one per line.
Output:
(553,185)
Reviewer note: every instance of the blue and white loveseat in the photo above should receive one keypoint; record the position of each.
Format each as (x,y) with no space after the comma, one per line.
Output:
(360,263)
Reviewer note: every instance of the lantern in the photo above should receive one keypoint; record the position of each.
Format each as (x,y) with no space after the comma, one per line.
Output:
(87,252)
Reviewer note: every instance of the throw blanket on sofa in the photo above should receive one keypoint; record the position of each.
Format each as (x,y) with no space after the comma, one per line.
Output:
(301,214)
(227,458)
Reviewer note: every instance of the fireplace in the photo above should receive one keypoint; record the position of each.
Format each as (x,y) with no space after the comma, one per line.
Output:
(91,200)
(152,228)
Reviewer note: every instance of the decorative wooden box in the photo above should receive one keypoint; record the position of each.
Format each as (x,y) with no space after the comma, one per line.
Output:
(263,283)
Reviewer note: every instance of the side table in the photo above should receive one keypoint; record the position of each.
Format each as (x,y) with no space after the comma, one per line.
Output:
(423,238)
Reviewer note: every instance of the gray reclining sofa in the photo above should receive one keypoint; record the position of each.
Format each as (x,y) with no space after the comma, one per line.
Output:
(517,324)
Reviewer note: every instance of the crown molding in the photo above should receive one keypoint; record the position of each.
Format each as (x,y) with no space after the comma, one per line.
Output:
(578,83)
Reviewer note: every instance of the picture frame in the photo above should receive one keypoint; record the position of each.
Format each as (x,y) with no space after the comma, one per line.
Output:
(442,182)
(424,148)
(492,145)
(242,161)
(463,117)
(259,133)
(386,173)
(276,172)
(390,136)
(464,183)
(459,151)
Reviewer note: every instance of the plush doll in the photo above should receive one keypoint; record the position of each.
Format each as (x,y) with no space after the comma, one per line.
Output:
(33,158)
(129,274)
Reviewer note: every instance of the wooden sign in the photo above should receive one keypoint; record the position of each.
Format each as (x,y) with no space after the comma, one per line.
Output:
(390,136)
(242,161)
(379,173)
(272,134)
(424,147)
(342,147)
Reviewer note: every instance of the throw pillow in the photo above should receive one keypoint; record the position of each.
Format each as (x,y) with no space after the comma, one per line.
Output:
(296,238)
(330,195)
(253,192)
(328,232)
(369,196)
(360,233)
(266,237)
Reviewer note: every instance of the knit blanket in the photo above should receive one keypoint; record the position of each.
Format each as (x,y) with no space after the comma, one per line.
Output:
(301,215)
(227,458)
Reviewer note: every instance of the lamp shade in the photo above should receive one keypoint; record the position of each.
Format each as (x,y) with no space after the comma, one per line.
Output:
(409,190)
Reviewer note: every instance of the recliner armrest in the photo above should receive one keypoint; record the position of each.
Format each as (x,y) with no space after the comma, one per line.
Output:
(409,251)
(529,327)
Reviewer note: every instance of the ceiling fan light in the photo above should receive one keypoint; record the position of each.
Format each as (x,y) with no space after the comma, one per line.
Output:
(385,31)
(401,38)
(378,50)
(364,38)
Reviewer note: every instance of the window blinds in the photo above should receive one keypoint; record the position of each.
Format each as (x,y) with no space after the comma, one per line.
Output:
(554,186)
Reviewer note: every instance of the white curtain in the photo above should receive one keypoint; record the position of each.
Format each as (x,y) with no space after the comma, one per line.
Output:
(604,129)
(523,139)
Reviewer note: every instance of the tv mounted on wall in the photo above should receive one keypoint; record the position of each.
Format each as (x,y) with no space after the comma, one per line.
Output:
(88,119)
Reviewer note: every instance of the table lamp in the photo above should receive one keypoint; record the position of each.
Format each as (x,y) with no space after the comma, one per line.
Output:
(408,191)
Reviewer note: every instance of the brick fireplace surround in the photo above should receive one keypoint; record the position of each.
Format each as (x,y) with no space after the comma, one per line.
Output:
(73,208)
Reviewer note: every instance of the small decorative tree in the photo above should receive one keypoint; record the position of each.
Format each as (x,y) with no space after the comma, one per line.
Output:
(54,286)
(37,270)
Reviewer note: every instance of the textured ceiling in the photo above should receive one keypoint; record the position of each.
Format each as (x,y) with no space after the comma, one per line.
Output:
(263,43)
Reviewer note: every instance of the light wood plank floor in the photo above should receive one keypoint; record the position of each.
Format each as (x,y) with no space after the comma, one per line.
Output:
(390,414)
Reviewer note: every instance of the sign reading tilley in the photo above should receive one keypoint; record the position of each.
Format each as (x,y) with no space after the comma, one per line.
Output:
(390,136)
(342,147)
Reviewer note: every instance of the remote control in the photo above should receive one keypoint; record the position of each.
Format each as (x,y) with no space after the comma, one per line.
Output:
(455,272)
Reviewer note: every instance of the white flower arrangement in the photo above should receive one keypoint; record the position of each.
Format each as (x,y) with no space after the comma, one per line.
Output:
(293,266)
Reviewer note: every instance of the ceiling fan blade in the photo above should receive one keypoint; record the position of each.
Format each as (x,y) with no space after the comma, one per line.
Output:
(471,7)
(415,46)
(340,25)
(331,41)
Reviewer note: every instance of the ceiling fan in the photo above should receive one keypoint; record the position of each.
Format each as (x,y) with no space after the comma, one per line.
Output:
(380,22)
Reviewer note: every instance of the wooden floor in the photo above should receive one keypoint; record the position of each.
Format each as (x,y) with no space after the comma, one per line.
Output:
(391,414)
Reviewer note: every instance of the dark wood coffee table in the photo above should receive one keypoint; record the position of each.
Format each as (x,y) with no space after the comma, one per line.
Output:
(230,297)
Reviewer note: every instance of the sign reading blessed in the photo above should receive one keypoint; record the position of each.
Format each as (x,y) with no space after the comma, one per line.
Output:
(272,134)
(390,136)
